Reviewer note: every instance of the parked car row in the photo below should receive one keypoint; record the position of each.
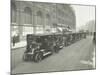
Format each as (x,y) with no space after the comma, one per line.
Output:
(39,46)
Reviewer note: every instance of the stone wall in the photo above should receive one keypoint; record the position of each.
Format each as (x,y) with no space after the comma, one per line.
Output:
(29,17)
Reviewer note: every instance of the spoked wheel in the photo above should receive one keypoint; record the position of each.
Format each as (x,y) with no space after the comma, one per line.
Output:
(38,57)
(65,44)
(25,57)
(56,49)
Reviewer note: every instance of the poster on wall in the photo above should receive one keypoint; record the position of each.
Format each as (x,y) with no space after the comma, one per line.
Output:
(52,37)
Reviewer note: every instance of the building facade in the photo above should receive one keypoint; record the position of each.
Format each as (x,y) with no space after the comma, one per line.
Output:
(35,17)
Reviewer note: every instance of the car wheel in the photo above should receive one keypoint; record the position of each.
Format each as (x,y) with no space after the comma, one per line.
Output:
(56,49)
(24,57)
(38,57)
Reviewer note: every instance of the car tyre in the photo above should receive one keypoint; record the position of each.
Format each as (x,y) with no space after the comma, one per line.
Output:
(38,57)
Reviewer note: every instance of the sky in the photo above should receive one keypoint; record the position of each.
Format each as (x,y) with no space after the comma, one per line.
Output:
(83,14)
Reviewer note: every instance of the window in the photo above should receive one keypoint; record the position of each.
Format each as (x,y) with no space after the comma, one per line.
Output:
(39,18)
(14,30)
(39,29)
(13,13)
(28,15)
(27,30)
(47,19)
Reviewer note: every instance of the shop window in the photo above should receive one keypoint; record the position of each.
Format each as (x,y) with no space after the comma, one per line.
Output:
(39,30)
(14,30)
(27,30)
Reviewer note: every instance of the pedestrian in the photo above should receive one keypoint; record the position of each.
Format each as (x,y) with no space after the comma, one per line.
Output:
(14,40)
(94,38)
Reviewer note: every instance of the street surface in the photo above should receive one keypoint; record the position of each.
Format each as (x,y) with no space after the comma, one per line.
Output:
(78,56)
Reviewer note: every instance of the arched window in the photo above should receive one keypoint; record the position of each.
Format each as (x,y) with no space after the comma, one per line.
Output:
(13,13)
(47,19)
(39,18)
(28,15)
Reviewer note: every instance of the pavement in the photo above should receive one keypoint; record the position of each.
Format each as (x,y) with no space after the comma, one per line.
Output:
(18,45)
(78,56)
